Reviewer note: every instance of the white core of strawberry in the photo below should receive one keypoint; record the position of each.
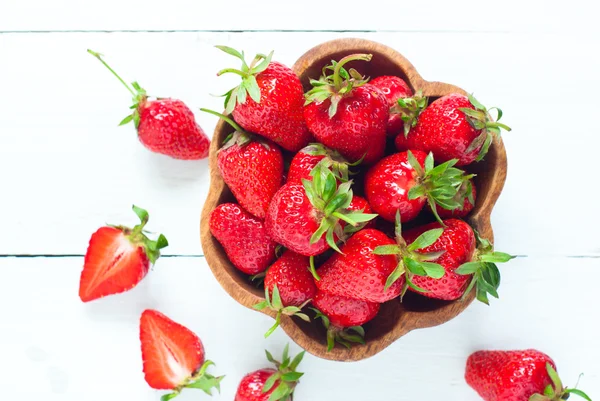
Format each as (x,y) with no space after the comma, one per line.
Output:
(178,373)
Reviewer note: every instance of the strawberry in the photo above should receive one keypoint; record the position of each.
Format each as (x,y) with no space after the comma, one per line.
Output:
(393,88)
(405,181)
(453,127)
(307,159)
(527,375)
(251,167)
(289,286)
(272,384)
(463,266)
(467,193)
(341,316)
(359,273)
(347,114)
(269,101)
(307,218)
(164,125)
(173,356)
(118,258)
(243,237)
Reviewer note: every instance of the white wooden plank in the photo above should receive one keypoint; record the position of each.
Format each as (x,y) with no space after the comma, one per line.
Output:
(438,15)
(67,168)
(91,351)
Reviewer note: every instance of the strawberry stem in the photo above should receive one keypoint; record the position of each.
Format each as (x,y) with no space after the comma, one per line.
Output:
(337,79)
(99,57)
(232,70)
(313,270)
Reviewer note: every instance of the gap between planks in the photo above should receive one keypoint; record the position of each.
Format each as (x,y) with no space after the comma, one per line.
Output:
(424,31)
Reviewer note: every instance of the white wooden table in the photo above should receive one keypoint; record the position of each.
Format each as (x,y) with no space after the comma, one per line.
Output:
(66,169)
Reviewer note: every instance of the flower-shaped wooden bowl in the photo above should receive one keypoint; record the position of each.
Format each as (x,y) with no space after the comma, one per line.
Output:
(395,318)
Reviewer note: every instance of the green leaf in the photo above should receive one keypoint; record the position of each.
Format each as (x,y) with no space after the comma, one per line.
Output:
(491,274)
(280,392)
(169,396)
(414,267)
(386,250)
(296,361)
(270,382)
(549,391)
(475,102)
(554,376)
(360,217)
(426,239)
(231,101)
(394,276)
(269,357)
(286,355)
(329,187)
(477,142)
(323,227)
(242,94)
(260,306)
(359,330)
(252,87)
(539,397)
(331,241)
(275,325)
(482,296)
(276,298)
(485,148)
(230,51)
(468,268)
(161,242)
(496,257)
(292,376)
(398,225)
(414,286)
(417,191)
(429,162)
(126,120)
(433,270)
(579,393)
(415,164)
(141,213)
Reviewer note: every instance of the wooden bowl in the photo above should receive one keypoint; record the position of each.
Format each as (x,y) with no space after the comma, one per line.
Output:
(395,319)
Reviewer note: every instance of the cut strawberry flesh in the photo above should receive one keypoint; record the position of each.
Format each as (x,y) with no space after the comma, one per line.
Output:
(171,352)
(112,265)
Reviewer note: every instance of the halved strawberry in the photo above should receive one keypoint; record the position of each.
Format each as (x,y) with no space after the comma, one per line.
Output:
(118,258)
(173,356)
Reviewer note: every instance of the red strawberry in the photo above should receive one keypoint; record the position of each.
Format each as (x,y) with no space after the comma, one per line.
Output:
(464,266)
(243,237)
(306,217)
(393,88)
(467,194)
(359,273)
(251,167)
(118,258)
(289,286)
(269,101)
(405,181)
(307,159)
(271,384)
(527,375)
(453,127)
(347,114)
(173,356)
(164,125)
(342,315)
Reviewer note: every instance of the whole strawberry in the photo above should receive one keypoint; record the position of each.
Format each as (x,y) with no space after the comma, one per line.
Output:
(404,182)
(347,114)
(453,127)
(393,88)
(527,375)
(164,125)
(118,258)
(243,237)
(173,356)
(289,286)
(269,101)
(343,318)
(307,159)
(271,384)
(464,266)
(309,218)
(467,194)
(252,168)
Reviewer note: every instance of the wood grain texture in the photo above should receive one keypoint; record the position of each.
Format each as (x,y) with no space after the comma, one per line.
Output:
(395,319)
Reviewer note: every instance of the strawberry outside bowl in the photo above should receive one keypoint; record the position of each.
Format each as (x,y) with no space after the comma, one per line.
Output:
(395,318)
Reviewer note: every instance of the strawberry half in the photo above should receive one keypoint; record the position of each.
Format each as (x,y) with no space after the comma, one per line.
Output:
(118,258)
(173,356)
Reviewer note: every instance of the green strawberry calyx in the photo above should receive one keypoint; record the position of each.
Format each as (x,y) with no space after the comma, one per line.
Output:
(201,380)
(286,378)
(556,391)
(331,202)
(345,336)
(333,160)
(410,262)
(480,119)
(138,93)
(482,266)
(409,109)
(239,136)
(249,85)
(137,236)
(273,301)
(338,83)
(440,184)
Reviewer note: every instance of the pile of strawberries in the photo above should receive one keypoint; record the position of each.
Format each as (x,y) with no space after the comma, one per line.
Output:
(325,179)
